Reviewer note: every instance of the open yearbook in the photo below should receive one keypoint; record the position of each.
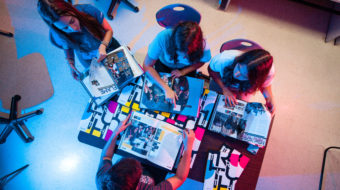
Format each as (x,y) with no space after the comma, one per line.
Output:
(248,122)
(103,80)
(152,141)
(187,89)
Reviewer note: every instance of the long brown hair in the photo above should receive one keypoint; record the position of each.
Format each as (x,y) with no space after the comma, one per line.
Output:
(190,37)
(51,10)
(259,63)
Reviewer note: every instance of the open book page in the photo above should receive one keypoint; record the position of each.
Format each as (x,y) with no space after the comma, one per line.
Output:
(228,121)
(257,124)
(122,66)
(97,81)
(151,139)
(188,91)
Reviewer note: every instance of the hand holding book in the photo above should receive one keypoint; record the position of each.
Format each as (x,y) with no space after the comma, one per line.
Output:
(188,139)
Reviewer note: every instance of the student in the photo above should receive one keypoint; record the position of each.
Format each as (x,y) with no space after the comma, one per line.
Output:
(240,75)
(179,51)
(80,28)
(128,174)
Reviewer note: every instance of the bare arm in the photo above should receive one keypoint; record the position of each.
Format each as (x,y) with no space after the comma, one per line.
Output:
(268,96)
(148,67)
(184,164)
(109,147)
(106,40)
(69,53)
(230,97)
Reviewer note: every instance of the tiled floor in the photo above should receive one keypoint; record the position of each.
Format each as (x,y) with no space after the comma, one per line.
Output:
(307,114)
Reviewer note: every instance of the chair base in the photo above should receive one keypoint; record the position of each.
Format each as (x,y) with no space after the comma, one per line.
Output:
(17,124)
(111,13)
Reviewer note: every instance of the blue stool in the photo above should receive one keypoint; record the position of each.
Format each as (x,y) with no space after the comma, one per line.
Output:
(171,15)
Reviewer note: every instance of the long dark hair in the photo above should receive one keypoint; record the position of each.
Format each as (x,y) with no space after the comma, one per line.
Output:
(51,10)
(259,63)
(190,38)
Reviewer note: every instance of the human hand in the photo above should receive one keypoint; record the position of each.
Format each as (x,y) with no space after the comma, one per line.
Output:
(270,106)
(101,52)
(188,139)
(75,73)
(123,125)
(171,96)
(230,99)
(176,73)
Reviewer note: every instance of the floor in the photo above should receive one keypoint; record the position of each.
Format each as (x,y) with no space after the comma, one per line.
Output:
(306,90)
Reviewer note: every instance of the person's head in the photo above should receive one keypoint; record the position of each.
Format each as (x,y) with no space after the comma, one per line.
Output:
(63,18)
(187,37)
(124,175)
(253,66)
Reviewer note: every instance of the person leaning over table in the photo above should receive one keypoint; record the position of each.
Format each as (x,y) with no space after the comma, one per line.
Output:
(179,51)
(240,75)
(128,173)
(81,28)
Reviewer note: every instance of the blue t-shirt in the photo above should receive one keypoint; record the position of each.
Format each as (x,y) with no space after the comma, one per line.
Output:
(88,42)
(158,50)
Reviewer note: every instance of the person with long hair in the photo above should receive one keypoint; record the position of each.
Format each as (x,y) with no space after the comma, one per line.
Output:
(240,75)
(81,28)
(180,51)
(130,174)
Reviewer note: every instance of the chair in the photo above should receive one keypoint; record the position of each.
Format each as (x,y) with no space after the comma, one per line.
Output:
(171,15)
(236,44)
(13,122)
(324,163)
(111,13)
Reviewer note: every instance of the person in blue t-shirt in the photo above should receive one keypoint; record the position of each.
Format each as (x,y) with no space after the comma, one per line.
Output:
(179,51)
(80,28)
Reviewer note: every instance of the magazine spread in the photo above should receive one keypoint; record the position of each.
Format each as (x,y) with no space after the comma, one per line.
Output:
(224,168)
(249,122)
(188,91)
(103,80)
(152,140)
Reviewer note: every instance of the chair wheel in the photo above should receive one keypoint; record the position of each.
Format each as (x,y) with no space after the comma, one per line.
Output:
(110,17)
(136,9)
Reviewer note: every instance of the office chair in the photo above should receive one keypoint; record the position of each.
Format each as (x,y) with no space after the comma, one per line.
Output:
(111,13)
(236,44)
(13,122)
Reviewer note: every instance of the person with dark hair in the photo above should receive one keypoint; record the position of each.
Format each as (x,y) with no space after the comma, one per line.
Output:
(81,28)
(240,75)
(129,174)
(179,51)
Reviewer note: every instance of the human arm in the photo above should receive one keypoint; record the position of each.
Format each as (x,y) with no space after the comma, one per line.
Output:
(106,40)
(268,96)
(109,148)
(230,98)
(182,72)
(69,53)
(148,67)
(184,164)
